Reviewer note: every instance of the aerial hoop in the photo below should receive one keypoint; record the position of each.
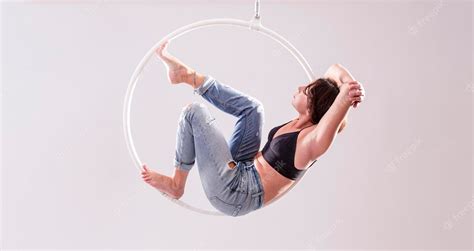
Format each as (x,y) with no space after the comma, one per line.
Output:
(254,24)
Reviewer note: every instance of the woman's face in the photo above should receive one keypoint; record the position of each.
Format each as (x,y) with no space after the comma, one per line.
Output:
(300,100)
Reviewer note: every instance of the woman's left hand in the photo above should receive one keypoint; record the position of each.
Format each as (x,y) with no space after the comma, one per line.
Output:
(355,92)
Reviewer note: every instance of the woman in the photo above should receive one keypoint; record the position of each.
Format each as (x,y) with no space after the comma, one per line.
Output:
(238,178)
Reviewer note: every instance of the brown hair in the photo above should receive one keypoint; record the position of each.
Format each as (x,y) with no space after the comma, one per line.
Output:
(321,94)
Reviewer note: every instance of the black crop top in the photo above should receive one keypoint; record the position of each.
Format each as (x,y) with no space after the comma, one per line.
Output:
(279,152)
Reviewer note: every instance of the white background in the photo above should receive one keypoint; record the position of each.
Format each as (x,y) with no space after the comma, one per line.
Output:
(399,176)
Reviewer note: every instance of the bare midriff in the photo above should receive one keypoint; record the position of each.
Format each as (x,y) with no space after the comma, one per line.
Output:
(273,182)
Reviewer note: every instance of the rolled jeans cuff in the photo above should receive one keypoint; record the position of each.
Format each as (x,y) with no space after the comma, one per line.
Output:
(208,81)
(182,165)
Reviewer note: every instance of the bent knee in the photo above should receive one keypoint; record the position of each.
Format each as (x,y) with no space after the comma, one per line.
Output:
(256,103)
(197,111)
(258,110)
(254,106)
(194,107)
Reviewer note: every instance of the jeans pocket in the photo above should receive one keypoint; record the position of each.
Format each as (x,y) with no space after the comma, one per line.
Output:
(225,207)
(238,182)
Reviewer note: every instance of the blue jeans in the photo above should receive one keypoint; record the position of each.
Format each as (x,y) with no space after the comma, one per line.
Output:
(233,191)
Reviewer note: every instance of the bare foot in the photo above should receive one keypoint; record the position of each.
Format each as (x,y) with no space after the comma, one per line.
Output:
(178,72)
(161,182)
(151,177)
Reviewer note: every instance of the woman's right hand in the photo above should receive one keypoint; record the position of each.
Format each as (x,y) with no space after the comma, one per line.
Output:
(353,93)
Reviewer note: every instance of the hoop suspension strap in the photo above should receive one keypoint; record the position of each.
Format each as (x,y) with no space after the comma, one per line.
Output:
(257,9)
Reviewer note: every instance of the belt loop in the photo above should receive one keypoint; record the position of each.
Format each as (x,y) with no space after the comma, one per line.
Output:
(257,194)
(248,163)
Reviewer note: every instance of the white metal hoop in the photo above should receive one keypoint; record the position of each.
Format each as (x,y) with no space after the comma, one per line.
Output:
(253,24)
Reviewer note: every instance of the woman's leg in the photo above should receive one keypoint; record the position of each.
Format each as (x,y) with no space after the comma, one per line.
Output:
(198,140)
(246,137)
